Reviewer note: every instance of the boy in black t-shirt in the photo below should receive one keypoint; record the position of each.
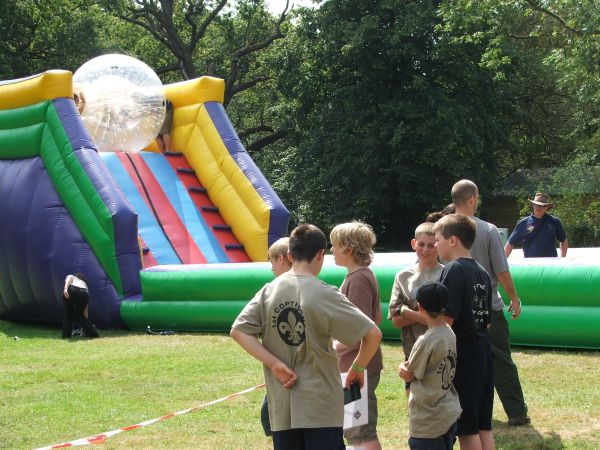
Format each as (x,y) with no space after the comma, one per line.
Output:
(469,314)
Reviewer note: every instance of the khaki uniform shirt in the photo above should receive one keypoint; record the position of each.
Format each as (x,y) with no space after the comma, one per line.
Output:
(404,292)
(297,316)
(433,404)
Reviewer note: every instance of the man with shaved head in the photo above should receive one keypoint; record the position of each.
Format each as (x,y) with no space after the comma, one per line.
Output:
(488,251)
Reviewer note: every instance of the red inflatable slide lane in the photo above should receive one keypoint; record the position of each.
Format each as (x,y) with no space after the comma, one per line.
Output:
(175,230)
(231,246)
(148,259)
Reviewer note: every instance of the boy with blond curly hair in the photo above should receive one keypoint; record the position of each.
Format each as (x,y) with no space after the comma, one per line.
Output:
(352,247)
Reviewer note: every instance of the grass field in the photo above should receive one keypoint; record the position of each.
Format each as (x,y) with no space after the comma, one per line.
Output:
(53,390)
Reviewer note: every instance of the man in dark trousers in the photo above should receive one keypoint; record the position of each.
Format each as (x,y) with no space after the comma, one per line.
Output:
(487,250)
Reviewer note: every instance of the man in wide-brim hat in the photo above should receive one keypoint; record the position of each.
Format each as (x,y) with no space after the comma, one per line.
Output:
(539,232)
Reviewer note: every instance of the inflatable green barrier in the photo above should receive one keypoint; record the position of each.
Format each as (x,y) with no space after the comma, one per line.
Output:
(561,302)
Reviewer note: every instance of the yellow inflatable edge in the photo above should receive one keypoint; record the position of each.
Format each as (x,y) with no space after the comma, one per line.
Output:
(37,88)
(194,134)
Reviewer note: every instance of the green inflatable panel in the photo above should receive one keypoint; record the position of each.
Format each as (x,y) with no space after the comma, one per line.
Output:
(214,315)
(557,284)
(557,326)
(217,315)
(561,300)
(239,283)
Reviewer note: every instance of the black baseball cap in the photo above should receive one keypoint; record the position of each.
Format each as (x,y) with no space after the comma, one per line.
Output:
(433,296)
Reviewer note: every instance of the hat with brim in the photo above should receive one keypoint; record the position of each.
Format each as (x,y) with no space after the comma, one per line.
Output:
(542,200)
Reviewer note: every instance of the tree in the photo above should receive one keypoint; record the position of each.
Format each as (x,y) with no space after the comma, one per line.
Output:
(385,112)
(39,35)
(184,30)
(545,52)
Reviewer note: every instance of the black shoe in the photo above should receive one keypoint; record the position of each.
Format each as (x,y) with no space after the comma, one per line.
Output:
(519,421)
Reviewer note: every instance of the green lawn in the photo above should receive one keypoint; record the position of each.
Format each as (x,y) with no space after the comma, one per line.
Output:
(53,391)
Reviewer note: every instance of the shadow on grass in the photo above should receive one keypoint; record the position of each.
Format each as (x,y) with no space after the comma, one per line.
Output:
(24,330)
(46,330)
(525,437)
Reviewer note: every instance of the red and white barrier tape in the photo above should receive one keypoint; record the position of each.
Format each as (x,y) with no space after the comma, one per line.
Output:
(101,438)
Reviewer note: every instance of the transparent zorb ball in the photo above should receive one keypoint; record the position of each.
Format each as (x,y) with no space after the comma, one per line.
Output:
(124,102)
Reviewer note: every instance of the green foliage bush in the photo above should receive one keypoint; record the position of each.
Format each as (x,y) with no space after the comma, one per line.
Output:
(580,217)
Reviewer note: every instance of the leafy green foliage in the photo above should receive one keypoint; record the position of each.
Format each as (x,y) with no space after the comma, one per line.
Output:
(580,217)
(361,109)
(48,34)
(386,113)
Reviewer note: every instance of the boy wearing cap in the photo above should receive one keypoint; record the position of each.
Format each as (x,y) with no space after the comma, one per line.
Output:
(297,316)
(539,232)
(469,313)
(433,405)
(403,310)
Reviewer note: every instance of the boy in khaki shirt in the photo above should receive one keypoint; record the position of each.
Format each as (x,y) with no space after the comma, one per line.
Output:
(298,315)
(403,310)
(433,405)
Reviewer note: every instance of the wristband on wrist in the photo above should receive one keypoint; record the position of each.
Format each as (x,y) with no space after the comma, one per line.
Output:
(357,368)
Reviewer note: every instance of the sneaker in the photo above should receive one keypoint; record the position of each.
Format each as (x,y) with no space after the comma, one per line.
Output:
(519,421)
(76,333)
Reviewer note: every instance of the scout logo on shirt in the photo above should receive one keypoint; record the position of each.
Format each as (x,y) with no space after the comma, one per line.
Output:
(530,228)
(289,320)
(447,368)
(480,312)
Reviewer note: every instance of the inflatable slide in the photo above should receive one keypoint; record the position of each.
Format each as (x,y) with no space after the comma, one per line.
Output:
(69,209)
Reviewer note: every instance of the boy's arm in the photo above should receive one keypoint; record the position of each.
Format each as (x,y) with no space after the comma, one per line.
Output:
(395,306)
(68,281)
(368,346)
(286,376)
(564,246)
(508,248)
(411,316)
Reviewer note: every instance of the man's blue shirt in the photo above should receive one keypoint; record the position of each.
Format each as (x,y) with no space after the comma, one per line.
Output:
(538,236)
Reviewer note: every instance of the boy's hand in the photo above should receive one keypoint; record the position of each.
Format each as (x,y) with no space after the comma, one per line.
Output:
(353,376)
(286,376)
(405,373)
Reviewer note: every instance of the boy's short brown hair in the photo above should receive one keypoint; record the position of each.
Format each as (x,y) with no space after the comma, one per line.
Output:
(463,227)
(279,248)
(306,241)
(357,236)
(426,228)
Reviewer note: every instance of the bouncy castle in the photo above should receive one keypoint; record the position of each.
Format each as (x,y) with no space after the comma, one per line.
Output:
(68,208)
